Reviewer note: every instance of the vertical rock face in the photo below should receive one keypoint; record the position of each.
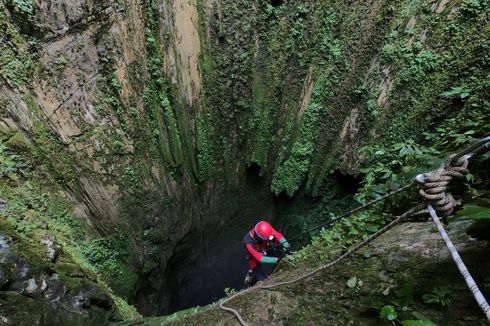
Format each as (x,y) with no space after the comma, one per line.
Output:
(110,109)
(182,55)
(148,113)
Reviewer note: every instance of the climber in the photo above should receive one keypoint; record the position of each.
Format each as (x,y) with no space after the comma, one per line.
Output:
(262,255)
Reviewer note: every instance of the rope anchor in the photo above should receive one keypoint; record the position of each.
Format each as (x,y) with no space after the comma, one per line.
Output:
(435,183)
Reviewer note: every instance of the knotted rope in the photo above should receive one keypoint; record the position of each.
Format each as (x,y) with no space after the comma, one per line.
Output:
(435,183)
(433,191)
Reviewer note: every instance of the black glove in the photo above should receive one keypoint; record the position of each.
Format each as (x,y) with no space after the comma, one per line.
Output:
(250,278)
(289,251)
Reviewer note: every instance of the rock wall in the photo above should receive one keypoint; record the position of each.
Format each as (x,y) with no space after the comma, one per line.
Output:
(41,284)
(148,113)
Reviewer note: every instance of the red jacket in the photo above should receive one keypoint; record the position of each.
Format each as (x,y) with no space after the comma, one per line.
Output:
(256,249)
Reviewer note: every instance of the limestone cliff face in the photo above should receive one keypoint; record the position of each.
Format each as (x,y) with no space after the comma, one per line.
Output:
(62,98)
(110,109)
(149,113)
(82,107)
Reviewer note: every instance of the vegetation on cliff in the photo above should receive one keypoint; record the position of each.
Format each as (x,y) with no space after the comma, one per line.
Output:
(108,140)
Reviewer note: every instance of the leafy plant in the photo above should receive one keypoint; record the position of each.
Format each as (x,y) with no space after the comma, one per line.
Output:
(405,294)
(7,165)
(460,91)
(387,167)
(439,295)
(355,283)
(103,254)
(230,291)
(388,312)
(472,7)
(454,133)
(115,83)
(420,321)
(24,6)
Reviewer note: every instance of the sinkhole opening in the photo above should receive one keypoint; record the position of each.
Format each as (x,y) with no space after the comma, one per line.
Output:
(208,261)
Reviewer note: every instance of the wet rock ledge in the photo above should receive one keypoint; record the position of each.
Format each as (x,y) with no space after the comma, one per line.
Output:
(41,285)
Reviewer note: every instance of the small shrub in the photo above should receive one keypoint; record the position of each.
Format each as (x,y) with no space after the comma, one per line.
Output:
(440,295)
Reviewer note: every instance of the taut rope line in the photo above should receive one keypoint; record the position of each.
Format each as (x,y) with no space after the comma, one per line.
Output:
(372,237)
(349,213)
(482,302)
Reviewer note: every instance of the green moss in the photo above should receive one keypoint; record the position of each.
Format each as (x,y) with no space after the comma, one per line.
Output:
(16,62)
(31,309)
(289,175)
(424,69)
(205,162)
(422,63)
(19,141)
(31,212)
(203,25)
(172,131)
(47,145)
(35,210)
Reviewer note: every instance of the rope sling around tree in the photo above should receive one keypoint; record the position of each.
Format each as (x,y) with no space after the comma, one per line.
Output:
(434,186)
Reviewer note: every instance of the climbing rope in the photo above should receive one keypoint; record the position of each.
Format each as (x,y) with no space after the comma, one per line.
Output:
(434,192)
(233,311)
(482,302)
(346,214)
(351,251)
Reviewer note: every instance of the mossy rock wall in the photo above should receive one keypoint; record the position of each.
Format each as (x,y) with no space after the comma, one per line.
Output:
(147,115)
(41,284)
(303,85)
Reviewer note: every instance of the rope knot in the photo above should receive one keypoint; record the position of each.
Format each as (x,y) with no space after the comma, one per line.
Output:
(435,183)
